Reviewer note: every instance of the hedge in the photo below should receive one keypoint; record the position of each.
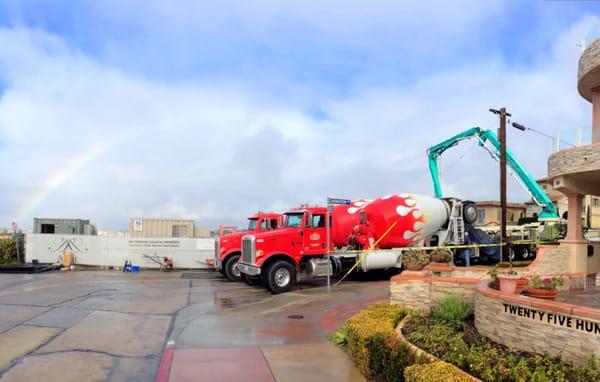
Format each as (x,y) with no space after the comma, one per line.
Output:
(374,345)
(435,372)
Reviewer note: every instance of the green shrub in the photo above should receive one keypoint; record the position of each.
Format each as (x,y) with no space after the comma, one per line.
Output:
(8,248)
(399,356)
(340,337)
(368,337)
(414,256)
(480,357)
(434,372)
(451,310)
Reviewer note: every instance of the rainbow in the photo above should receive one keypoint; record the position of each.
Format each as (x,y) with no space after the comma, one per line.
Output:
(62,175)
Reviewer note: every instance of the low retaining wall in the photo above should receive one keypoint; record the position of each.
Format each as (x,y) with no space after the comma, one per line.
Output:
(536,325)
(419,289)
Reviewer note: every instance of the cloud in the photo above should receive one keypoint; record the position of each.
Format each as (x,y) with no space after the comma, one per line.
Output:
(219,150)
(265,42)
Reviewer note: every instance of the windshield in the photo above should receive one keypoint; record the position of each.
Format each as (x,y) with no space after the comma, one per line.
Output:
(293,220)
(252,224)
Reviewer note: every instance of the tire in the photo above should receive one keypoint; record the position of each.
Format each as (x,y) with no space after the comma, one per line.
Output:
(252,281)
(469,212)
(508,254)
(280,277)
(232,273)
(529,253)
(521,253)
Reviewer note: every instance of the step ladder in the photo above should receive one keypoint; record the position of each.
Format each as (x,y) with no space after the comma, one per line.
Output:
(458,224)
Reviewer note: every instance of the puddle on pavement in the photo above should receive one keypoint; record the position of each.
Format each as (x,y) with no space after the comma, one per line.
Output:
(228,303)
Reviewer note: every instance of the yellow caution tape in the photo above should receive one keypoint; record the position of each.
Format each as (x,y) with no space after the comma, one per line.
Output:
(463,246)
(366,253)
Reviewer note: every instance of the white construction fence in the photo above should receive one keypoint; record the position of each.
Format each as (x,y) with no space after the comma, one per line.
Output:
(114,251)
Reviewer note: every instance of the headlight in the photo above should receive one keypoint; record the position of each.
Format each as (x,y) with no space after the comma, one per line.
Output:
(260,253)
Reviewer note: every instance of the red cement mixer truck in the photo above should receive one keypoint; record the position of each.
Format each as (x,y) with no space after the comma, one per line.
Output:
(281,258)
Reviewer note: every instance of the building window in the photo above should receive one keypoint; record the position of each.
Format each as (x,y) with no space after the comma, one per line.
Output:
(180,231)
(595,202)
(47,228)
(480,216)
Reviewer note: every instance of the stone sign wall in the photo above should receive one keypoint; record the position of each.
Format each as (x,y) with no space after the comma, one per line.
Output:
(537,326)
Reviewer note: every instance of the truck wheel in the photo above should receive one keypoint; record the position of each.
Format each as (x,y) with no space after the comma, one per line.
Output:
(521,253)
(508,254)
(252,281)
(531,252)
(229,267)
(280,277)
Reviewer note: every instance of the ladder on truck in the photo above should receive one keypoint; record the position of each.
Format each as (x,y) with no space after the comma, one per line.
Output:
(457,224)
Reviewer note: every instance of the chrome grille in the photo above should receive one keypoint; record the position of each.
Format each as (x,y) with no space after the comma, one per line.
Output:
(217,247)
(248,249)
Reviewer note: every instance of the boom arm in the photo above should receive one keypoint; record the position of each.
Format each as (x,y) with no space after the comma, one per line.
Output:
(517,170)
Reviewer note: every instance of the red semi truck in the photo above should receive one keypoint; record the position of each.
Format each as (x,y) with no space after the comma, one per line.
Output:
(299,250)
(228,248)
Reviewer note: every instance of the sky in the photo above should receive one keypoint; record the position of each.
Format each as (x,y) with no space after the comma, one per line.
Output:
(213,110)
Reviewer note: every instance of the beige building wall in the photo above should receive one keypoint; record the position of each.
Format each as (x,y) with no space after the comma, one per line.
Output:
(488,213)
(590,213)
(201,232)
(143,227)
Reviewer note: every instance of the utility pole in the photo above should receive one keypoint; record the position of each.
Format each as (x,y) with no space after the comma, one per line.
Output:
(503,115)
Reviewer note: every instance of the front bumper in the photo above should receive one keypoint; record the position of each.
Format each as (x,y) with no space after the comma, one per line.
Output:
(218,264)
(249,270)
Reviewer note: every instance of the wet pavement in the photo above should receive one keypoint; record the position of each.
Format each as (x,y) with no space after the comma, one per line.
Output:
(96,326)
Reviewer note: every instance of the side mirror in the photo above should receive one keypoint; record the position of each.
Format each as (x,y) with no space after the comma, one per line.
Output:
(308,220)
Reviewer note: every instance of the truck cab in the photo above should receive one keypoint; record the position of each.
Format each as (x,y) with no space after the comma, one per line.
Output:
(277,258)
(228,248)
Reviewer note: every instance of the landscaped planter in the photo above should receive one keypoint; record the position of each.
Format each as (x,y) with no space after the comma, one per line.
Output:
(540,293)
(414,260)
(508,283)
(413,266)
(521,284)
(546,288)
(420,353)
(444,334)
(441,256)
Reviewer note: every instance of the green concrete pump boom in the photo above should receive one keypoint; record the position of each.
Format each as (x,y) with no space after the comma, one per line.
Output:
(516,168)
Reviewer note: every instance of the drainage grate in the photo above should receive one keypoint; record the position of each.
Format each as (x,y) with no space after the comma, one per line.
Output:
(296,317)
